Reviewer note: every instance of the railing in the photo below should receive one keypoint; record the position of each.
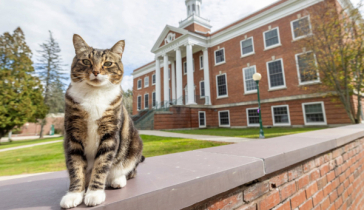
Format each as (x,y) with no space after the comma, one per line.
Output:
(200,100)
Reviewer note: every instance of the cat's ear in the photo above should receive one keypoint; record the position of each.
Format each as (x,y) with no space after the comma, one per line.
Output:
(118,47)
(79,44)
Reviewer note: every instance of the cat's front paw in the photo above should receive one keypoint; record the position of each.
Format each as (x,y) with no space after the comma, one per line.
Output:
(71,199)
(93,198)
(119,182)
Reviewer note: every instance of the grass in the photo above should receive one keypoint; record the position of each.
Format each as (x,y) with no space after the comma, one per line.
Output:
(247,132)
(4,145)
(46,158)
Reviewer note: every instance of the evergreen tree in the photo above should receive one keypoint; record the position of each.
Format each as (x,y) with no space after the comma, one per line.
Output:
(21,97)
(128,100)
(50,70)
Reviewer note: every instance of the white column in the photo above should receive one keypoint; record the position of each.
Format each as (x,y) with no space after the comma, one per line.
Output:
(190,80)
(157,83)
(166,81)
(173,78)
(206,74)
(179,76)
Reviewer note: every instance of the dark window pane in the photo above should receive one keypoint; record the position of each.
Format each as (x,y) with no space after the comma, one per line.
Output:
(139,102)
(201,62)
(247,46)
(224,118)
(153,99)
(280,115)
(202,84)
(146,101)
(221,83)
(276,74)
(306,66)
(219,55)
(253,116)
(314,113)
(202,119)
(301,27)
(271,37)
(153,78)
(249,82)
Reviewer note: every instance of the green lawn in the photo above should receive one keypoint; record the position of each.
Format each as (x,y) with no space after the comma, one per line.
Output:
(247,132)
(4,145)
(50,157)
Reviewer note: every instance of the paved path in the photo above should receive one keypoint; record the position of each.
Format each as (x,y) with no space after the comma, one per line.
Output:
(31,145)
(17,138)
(3,178)
(194,136)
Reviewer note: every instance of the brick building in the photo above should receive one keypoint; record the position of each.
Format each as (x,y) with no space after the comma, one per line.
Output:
(205,79)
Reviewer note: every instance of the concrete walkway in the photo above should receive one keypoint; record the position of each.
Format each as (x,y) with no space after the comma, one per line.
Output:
(18,138)
(3,178)
(31,145)
(194,136)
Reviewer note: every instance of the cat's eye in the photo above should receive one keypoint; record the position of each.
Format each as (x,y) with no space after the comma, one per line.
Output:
(107,64)
(86,62)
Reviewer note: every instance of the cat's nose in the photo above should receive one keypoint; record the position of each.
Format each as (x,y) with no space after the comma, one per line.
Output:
(96,73)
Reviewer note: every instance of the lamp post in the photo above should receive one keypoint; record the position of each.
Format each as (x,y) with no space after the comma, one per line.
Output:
(257,77)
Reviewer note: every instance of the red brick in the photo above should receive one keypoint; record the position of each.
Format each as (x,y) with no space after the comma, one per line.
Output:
(350,189)
(327,189)
(233,199)
(319,161)
(314,174)
(338,203)
(303,181)
(340,189)
(332,207)
(333,196)
(317,207)
(256,190)
(324,169)
(330,176)
(312,189)
(339,160)
(346,183)
(287,190)
(294,173)
(278,180)
(298,199)
(308,166)
(337,152)
(327,157)
(307,205)
(325,204)
(317,198)
(248,207)
(332,164)
(269,201)
(284,206)
(321,182)
(351,178)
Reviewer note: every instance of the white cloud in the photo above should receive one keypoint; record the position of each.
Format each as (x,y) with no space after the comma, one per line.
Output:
(103,23)
(127,82)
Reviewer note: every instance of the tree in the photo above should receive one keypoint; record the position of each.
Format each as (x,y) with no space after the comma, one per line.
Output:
(21,97)
(337,44)
(128,100)
(50,70)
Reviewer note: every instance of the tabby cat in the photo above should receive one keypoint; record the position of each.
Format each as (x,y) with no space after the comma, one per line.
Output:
(101,144)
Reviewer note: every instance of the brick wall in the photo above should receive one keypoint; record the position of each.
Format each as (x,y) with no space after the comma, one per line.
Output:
(333,181)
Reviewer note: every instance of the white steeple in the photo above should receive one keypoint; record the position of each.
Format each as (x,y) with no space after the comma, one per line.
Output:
(193,7)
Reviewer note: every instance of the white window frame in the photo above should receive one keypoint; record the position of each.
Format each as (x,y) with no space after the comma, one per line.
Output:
(284,77)
(146,85)
(201,63)
(289,117)
(247,117)
(226,126)
(153,99)
(216,64)
(298,70)
(217,87)
(203,126)
(303,36)
(279,39)
(155,79)
(323,112)
(201,89)
(141,101)
(250,91)
(241,47)
(141,84)
(147,94)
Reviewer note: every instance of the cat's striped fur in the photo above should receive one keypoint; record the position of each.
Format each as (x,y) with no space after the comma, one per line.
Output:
(102,146)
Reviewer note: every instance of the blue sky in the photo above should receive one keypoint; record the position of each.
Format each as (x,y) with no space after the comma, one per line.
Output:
(104,22)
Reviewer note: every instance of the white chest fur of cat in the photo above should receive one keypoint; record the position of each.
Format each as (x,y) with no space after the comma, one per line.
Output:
(95,101)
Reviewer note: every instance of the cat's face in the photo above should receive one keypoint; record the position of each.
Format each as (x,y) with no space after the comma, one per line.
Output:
(97,67)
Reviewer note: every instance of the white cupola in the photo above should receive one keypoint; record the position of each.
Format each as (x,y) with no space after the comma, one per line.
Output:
(193,7)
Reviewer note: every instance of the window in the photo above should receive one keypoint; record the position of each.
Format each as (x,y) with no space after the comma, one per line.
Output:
(221,85)
(305,67)
(185,66)
(153,99)
(314,113)
(202,89)
(169,74)
(252,116)
(300,28)
(153,79)
(249,84)
(201,62)
(271,38)
(280,115)
(247,47)
(139,84)
(202,119)
(146,81)
(139,103)
(220,56)
(193,8)
(224,118)
(276,74)
(146,101)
